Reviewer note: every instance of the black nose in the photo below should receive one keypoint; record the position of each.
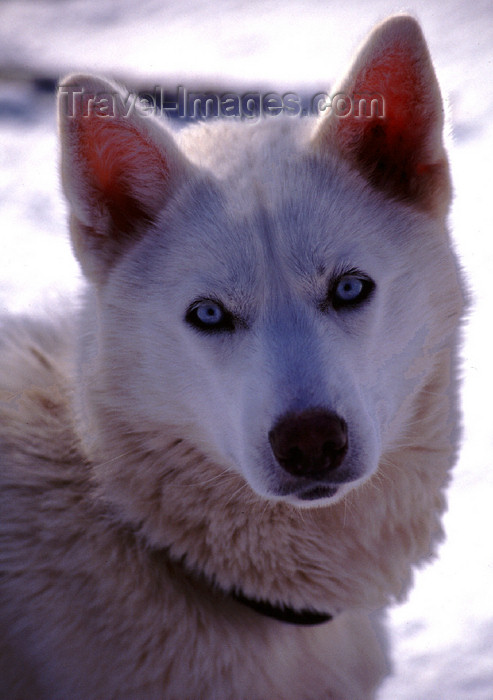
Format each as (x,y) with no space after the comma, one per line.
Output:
(310,444)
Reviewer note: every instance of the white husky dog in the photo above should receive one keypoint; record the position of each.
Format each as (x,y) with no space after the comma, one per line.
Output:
(234,454)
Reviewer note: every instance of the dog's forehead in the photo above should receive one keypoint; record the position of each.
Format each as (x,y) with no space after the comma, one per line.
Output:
(298,213)
(272,207)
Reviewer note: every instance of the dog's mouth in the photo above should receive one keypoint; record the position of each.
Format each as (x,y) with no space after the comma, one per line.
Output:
(317,492)
(304,491)
(312,493)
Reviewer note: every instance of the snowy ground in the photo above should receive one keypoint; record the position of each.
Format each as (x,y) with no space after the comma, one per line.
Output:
(443,636)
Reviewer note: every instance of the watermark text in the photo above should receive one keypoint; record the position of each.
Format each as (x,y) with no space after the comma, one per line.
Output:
(195,105)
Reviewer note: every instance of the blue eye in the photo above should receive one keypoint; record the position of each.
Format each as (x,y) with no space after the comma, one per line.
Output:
(209,313)
(209,316)
(351,290)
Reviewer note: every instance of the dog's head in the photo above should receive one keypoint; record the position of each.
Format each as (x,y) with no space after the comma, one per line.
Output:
(275,295)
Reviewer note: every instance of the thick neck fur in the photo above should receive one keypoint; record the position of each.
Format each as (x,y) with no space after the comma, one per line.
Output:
(356,553)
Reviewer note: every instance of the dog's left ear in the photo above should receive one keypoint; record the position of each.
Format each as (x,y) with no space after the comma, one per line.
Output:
(397,147)
(119,169)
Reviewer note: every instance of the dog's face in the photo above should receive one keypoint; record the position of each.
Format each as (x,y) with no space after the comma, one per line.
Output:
(280,309)
(280,335)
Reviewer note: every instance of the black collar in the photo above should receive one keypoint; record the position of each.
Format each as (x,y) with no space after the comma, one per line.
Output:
(283,613)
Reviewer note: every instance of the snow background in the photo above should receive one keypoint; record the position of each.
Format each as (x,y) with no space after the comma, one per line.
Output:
(442,637)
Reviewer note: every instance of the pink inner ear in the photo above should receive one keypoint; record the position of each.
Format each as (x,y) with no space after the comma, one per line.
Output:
(119,159)
(403,131)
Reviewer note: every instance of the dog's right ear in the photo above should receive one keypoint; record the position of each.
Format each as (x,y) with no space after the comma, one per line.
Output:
(118,169)
(399,151)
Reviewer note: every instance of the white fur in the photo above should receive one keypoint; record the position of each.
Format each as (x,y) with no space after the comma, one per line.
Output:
(138,486)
